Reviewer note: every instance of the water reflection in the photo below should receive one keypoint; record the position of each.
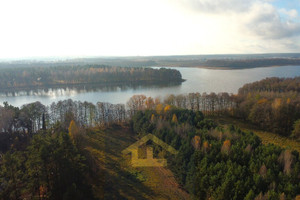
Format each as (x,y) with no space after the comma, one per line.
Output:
(72,90)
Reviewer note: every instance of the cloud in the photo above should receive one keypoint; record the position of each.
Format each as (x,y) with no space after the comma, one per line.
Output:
(217,6)
(264,20)
(255,17)
(290,13)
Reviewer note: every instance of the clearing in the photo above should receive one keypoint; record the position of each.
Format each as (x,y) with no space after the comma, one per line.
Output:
(115,178)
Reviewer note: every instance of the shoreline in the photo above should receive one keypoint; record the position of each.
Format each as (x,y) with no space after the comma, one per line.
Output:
(225,68)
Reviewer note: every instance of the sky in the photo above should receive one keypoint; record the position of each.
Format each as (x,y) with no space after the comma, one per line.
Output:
(47,28)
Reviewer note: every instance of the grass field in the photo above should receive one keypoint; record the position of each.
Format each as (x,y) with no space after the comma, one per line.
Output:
(266,137)
(114,178)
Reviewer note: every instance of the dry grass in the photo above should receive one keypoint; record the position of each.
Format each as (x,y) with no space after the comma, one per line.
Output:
(266,137)
(114,178)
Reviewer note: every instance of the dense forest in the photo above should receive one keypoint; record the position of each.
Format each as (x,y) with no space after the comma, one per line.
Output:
(41,155)
(221,162)
(29,77)
(49,167)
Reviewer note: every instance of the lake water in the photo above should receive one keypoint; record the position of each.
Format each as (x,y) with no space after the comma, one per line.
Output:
(197,80)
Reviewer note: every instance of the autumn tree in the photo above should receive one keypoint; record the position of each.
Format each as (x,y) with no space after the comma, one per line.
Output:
(296,130)
(159,108)
(74,132)
(167,108)
(226,147)
(286,159)
(149,103)
(136,103)
(152,118)
(196,142)
(263,170)
(174,118)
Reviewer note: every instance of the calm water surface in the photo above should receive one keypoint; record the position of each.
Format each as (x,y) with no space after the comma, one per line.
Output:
(197,80)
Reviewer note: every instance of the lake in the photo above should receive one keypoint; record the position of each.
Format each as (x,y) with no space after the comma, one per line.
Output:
(197,80)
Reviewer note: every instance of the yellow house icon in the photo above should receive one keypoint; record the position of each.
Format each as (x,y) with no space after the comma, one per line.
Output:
(149,161)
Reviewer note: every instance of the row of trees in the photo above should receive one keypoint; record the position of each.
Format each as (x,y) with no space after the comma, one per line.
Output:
(18,124)
(210,104)
(221,162)
(30,117)
(85,114)
(272,111)
(29,77)
(35,116)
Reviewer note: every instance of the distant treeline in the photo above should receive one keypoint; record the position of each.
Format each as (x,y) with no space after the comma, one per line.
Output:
(14,78)
(228,63)
(232,61)
(251,63)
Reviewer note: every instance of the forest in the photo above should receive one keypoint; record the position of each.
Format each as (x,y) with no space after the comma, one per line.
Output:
(40,157)
(45,77)
(216,162)
(41,151)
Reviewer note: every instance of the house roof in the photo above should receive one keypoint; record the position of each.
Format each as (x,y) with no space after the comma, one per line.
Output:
(145,139)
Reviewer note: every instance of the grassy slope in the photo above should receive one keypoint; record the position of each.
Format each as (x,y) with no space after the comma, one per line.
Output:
(266,137)
(114,178)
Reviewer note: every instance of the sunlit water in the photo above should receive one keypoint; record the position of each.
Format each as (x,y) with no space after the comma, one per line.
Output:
(197,80)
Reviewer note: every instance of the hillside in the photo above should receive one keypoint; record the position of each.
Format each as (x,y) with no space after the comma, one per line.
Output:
(114,177)
(222,161)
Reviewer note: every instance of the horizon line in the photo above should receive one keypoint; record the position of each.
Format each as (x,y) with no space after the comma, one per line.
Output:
(28,58)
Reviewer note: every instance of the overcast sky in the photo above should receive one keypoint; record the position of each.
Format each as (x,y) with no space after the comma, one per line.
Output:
(42,28)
